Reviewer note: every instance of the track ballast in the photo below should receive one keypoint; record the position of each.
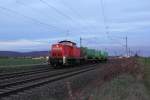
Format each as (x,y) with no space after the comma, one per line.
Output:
(22,82)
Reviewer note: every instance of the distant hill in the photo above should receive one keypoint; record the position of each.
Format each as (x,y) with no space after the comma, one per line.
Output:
(23,54)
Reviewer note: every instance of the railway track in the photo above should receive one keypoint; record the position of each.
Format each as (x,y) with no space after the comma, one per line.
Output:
(23,73)
(21,83)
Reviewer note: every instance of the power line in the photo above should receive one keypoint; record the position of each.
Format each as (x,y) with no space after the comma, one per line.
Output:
(106,27)
(50,6)
(71,9)
(33,8)
(59,12)
(28,17)
(41,12)
(103,14)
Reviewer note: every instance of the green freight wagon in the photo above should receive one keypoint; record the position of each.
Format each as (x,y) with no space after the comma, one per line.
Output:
(88,53)
(93,54)
(104,55)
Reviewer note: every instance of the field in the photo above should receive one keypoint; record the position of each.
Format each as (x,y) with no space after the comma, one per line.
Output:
(123,87)
(14,64)
(128,86)
(146,64)
(19,61)
(127,79)
(118,79)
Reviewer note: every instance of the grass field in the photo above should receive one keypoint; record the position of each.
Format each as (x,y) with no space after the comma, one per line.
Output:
(128,86)
(14,64)
(123,87)
(146,64)
(19,61)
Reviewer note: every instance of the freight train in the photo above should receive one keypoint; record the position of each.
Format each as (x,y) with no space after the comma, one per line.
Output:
(67,53)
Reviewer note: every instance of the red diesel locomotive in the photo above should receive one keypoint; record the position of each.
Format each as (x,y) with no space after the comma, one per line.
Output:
(64,53)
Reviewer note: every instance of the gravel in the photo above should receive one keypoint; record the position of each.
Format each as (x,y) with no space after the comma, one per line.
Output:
(81,86)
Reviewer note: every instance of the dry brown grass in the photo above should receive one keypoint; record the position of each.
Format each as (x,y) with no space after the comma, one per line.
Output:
(122,80)
(123,87)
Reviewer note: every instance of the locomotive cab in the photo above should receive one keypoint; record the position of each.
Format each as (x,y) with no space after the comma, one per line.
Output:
(64,53)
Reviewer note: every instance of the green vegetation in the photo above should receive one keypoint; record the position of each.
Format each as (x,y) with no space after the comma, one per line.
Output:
(123,87)
(126,86)
(19,61)
(14,64)
(146,64)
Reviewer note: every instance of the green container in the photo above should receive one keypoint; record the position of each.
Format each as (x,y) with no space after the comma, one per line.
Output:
(104,55)
(90,53)
(93,54)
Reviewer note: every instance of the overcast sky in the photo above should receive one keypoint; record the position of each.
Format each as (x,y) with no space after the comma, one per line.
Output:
(28,25)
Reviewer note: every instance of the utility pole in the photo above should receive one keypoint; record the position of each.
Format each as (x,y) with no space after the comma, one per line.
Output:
(129,52)
(81,52)
(80,42)
(126,46)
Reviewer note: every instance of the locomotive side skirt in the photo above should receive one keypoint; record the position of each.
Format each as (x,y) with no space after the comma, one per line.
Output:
(64,61)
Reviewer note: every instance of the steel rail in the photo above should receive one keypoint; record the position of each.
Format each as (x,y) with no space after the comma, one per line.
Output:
(22,73)
(28,84)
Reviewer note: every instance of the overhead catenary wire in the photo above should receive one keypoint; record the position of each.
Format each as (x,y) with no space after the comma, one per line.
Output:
(50,6)
(55,9)
(106,27)
(28,17)
(34,9)
(33,19)
(107,31)
(63,14)
(59,12)
(75,12)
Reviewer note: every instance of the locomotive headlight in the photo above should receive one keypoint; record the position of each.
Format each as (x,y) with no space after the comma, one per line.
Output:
(64,59)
